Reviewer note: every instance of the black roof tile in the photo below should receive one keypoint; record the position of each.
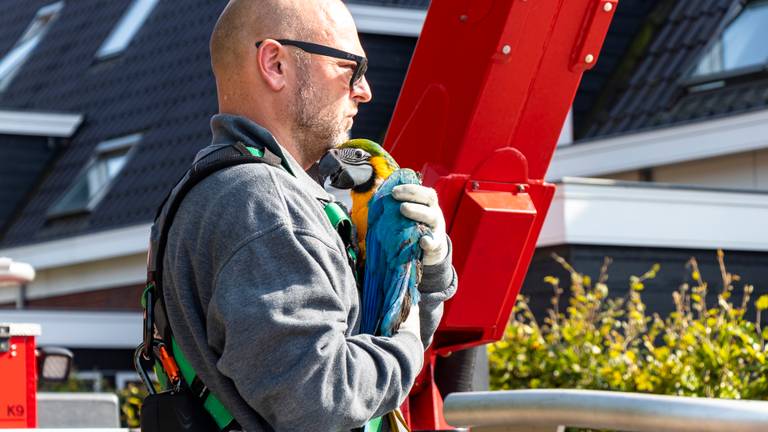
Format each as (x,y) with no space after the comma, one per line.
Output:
(678,12)
(22,163)
(161,85)
(672,67)
(661,39)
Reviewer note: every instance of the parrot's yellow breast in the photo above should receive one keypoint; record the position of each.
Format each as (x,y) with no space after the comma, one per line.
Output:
(360,216)
(360,200)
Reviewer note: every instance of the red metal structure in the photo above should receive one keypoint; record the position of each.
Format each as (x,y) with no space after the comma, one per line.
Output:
(488,89)
(18,375)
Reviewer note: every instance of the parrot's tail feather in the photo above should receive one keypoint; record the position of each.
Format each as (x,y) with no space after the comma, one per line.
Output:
(415,295)
(404,311)
(419,272)
(394,301)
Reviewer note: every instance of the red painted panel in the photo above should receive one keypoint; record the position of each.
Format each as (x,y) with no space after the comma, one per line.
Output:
(18,375)
(482,223)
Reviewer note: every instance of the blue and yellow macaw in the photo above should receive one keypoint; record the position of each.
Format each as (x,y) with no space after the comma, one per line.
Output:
(388,240)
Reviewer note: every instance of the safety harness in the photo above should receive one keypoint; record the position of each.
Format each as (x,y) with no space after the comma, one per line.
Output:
(159,349)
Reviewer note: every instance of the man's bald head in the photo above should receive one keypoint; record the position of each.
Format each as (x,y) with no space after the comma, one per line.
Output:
(304,100)
(243,22)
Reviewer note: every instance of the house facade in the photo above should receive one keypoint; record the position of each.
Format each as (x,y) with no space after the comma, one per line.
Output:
(103,105)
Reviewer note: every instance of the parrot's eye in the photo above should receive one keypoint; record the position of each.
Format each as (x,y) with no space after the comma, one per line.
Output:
(354,155)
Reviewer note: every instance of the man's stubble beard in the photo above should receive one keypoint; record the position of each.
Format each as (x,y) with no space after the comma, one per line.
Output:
(316,129)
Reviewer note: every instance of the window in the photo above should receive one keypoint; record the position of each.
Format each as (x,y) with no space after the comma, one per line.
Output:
(126,28)
(92,184)
(13,61)
(741,46)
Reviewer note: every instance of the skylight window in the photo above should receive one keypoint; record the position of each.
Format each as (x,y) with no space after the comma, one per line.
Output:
(741,46)
(92,184)
(126,28)
(12,62)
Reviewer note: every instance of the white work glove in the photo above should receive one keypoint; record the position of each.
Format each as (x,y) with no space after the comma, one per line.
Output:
(420,204)
(412,323)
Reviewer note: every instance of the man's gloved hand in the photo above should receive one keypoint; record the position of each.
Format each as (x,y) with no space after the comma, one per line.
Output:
(412,323)
(420,205)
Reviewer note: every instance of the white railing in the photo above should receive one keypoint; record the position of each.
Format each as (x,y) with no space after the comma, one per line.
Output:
(551,410)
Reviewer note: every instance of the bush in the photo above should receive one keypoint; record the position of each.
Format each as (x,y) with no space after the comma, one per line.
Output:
(131,398)
(606,343)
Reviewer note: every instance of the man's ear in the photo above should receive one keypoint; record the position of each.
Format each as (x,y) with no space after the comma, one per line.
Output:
(270,62)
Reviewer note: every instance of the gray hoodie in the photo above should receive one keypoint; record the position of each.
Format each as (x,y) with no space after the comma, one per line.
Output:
(263,304)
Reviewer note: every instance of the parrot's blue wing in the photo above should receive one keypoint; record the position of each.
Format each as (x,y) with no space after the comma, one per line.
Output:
(392,258)
(373,284)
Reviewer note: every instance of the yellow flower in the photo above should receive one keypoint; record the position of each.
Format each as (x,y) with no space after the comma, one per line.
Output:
(762,302)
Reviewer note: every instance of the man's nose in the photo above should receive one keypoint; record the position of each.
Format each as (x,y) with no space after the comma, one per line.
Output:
(361,91)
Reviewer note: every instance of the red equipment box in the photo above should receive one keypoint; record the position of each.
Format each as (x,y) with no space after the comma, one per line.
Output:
(18,375)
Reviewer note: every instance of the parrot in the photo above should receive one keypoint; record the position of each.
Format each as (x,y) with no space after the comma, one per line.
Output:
(388,241)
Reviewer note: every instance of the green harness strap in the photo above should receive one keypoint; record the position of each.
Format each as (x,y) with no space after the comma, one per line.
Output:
(343,226)
(375,424)
(221,415)
(260,153)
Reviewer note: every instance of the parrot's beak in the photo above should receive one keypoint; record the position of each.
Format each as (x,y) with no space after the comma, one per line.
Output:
(343,175)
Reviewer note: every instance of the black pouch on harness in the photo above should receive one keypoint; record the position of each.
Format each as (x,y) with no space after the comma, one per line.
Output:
(172,411)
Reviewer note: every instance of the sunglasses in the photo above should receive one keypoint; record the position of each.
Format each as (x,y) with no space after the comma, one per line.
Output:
(361,63)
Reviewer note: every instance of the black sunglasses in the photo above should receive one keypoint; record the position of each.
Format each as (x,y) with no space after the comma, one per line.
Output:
(361,63)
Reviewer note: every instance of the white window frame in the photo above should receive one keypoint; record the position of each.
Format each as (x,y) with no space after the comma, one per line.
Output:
(39,123)
(128,142)
(126,29)
(13,61)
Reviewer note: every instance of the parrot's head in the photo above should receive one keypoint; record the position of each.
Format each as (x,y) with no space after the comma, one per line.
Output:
(358,164)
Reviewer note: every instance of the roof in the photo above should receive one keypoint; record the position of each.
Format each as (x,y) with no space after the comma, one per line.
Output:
(654,93)
(628,21)
(161,86)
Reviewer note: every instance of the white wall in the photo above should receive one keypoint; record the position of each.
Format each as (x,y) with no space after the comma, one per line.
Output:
(660,147)
(761,164)
(732,171)
(95,275)
(739,171)
(625,176)
(598,212)
(74,329)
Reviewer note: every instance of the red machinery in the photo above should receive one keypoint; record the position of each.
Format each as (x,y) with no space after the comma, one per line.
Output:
(484,101)
(18,373)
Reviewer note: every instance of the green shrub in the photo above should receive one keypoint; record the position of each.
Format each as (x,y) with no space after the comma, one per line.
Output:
(605,343)
(131,398)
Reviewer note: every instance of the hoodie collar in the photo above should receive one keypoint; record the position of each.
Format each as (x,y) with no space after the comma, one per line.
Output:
(228,129)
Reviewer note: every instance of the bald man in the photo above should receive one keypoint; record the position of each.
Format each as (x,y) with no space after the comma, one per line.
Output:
(257,285)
